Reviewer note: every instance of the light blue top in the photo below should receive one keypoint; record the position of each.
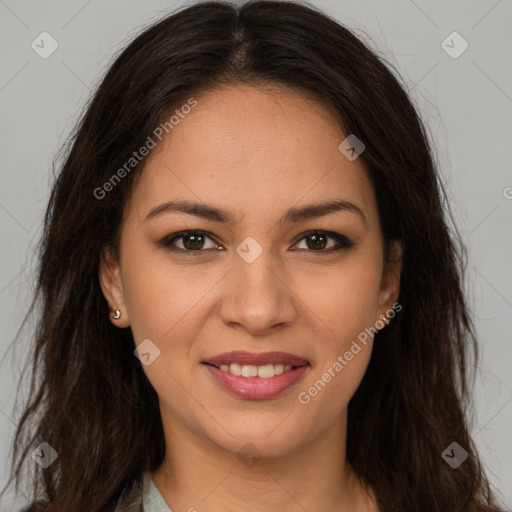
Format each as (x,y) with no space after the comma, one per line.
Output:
(152,500)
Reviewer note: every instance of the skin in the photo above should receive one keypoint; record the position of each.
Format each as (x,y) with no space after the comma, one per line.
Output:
(256,152)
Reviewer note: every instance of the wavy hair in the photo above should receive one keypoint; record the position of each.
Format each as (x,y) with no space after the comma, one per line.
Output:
(89,397)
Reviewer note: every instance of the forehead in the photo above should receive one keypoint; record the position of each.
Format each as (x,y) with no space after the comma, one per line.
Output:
(254,149)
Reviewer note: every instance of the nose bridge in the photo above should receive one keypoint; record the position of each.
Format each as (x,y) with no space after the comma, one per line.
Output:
(258,297)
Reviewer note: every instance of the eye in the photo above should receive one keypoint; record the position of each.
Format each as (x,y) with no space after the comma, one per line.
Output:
(316,241)
(194,241)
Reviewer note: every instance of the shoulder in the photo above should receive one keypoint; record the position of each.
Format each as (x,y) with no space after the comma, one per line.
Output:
(130,500)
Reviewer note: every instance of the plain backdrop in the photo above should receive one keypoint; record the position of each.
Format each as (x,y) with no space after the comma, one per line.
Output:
(466,101)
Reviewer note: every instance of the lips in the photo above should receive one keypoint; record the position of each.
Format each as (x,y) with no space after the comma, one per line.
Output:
(256,376)
(252,359)
(256,388)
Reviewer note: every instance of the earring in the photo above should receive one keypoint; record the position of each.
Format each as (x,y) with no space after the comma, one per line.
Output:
(117,315)
(385,318)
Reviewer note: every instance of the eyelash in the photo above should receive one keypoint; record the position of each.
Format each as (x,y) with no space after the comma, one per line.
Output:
(342,240)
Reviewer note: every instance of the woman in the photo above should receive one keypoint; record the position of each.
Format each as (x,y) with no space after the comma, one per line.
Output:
(251,297)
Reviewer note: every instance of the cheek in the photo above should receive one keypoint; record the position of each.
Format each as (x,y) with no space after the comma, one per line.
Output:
(164,304)
(343,298)
(160,297)
(346,307)
(341,365)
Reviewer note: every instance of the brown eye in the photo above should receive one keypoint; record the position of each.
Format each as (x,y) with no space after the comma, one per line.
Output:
(193,242)
(317,241)
(188,241)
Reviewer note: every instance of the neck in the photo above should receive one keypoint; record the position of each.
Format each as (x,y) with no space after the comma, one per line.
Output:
(198,475)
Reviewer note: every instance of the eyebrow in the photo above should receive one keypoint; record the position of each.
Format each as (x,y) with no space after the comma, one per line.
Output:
(293,215)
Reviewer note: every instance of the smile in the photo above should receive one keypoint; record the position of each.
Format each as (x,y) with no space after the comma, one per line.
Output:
(256,376)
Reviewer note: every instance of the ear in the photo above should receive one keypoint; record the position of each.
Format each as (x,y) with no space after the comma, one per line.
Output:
(390,282)
(112,287)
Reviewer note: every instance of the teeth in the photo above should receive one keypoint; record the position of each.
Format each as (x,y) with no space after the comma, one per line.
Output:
(234,368)
(265,371)
(249,371)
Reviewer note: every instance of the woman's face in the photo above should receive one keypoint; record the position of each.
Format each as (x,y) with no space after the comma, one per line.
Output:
(250,278)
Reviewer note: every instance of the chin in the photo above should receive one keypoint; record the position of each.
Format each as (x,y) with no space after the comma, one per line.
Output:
(260,438)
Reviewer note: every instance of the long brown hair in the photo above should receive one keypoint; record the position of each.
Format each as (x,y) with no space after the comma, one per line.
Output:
(90,399)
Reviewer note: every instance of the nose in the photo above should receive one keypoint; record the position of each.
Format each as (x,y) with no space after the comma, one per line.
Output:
(257,298)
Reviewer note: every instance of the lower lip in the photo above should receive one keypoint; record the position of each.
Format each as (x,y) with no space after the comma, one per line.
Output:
(257,388)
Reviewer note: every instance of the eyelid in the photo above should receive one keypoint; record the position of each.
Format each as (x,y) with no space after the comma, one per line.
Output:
(342,241)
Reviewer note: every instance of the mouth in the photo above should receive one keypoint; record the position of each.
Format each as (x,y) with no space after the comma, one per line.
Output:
(256,376)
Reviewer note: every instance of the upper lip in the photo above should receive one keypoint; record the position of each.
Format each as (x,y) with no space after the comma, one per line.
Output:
(253,359)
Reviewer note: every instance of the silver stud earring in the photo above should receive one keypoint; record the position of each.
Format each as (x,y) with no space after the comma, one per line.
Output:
(117,315)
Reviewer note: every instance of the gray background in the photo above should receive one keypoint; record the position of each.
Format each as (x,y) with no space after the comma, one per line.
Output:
(466,102)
